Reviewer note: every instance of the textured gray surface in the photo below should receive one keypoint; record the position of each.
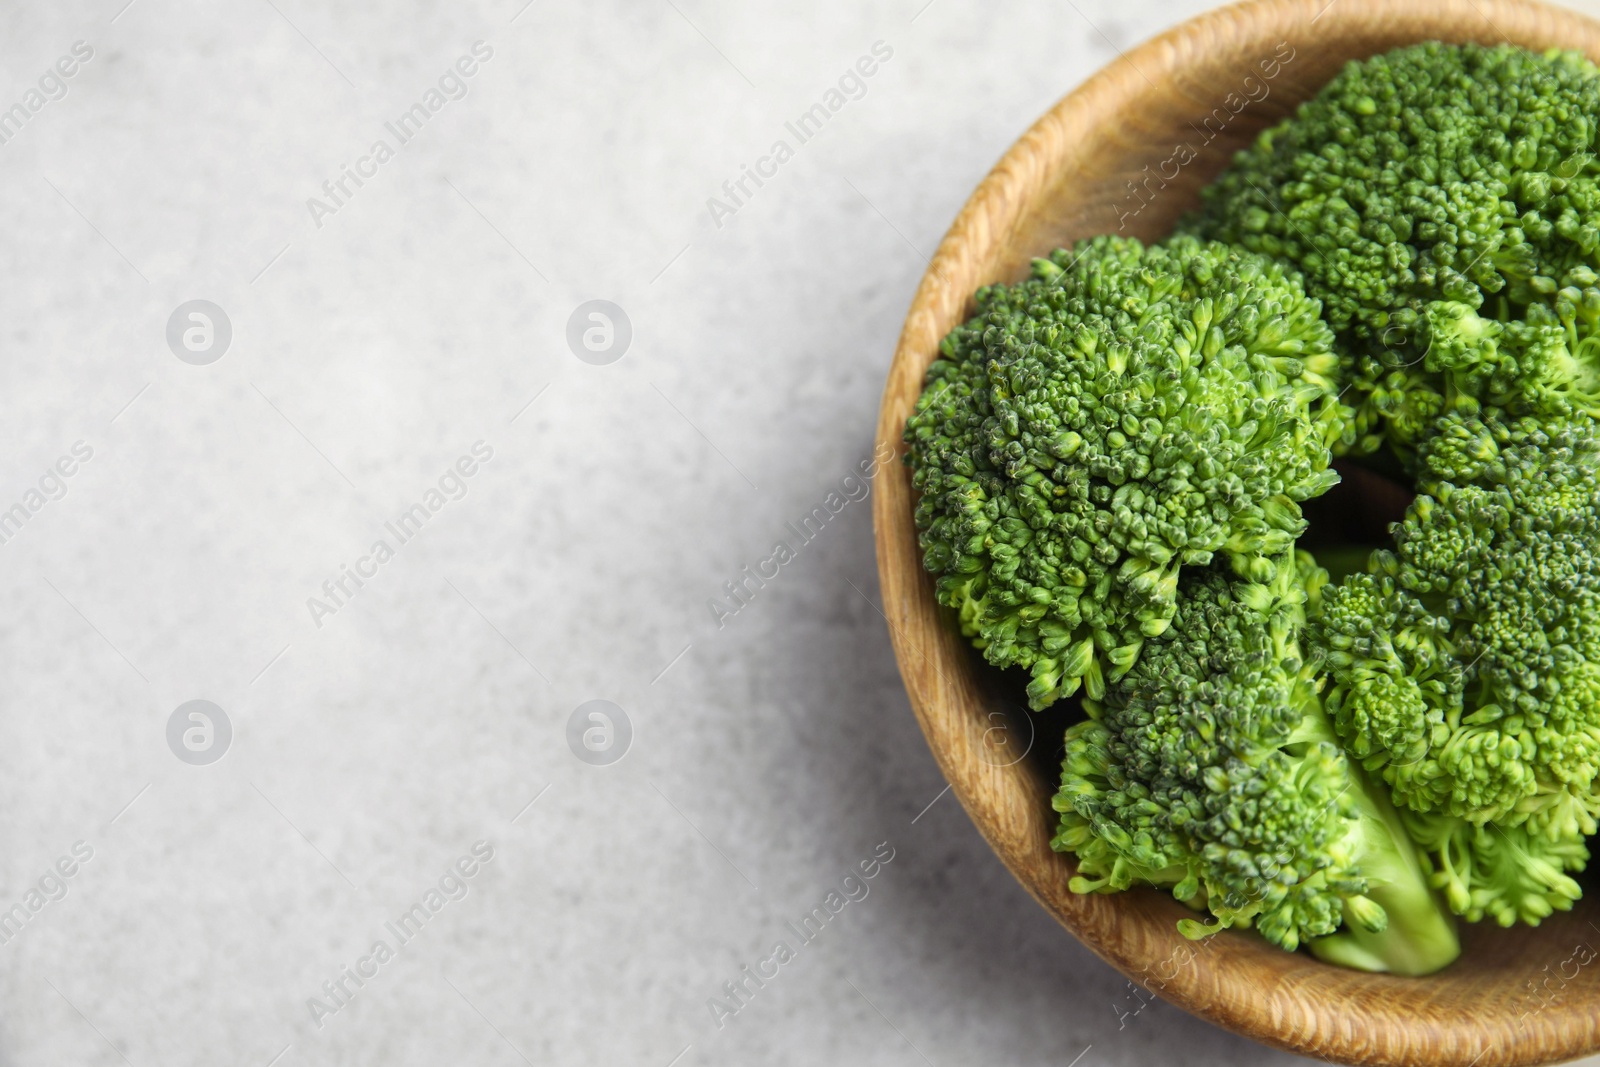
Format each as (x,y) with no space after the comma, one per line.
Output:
(769,758)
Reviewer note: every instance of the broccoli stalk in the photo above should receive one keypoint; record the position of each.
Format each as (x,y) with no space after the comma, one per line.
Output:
(1418,936)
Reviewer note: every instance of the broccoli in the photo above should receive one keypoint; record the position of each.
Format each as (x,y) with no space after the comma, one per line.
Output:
(1545,362)
(1124,413)
(1508,873)
(1212,770)
(1465,663)
(1112,456)
(1443,202)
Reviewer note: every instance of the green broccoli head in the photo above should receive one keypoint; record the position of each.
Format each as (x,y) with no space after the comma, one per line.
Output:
(1211,770)
(1444,203)
(1466,662)
(1124,413)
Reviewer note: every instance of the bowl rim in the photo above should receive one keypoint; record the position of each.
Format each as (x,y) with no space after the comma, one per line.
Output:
(1292,1002)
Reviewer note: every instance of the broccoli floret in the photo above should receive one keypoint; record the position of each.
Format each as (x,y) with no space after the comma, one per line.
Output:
(1124,413)
(1212,770)
(1510,874)
(1444,203)
(1466,662)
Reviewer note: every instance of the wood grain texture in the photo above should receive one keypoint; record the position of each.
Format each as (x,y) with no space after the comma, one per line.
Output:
(1522,996)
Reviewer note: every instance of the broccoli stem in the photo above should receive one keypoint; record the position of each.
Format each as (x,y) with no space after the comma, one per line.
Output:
(1420,935)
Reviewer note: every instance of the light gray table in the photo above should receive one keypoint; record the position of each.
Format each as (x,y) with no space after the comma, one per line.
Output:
(382,331)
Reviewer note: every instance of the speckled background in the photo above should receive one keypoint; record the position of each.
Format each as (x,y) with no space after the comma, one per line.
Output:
(373,345)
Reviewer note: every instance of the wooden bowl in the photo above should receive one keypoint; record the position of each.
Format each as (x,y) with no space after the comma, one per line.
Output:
(1520,996)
